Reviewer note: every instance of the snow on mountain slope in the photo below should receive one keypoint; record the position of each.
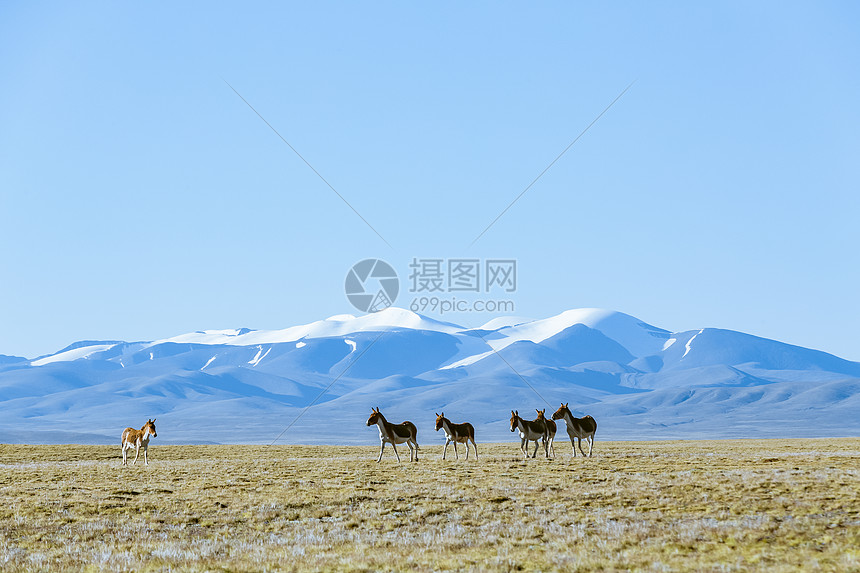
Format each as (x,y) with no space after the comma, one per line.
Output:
(639,338)
(339,325)
(572,345)
(716,346)
(242,385)
(76,354)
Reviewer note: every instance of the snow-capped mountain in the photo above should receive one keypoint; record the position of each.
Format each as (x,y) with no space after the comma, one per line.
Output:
(247,386)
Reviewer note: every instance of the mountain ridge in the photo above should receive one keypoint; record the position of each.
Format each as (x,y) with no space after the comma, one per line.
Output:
(637,379)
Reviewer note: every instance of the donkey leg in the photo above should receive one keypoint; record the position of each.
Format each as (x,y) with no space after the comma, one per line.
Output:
(145,459)
(382,449)
(573,443)
(393,445)
(474,445)
(590,444)
(136,453)
(124,455)
(456,453)
(580,447)
(537,443)
(445,451)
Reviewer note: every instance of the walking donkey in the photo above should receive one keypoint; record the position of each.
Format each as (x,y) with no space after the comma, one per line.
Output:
(530,430)
(577,428)
(551,429)
(395,434)
(456,433)
(137,439)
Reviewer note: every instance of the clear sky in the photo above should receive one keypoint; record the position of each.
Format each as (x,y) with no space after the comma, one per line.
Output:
(141,198)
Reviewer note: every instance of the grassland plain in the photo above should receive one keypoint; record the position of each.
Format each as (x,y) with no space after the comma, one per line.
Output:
(742,505)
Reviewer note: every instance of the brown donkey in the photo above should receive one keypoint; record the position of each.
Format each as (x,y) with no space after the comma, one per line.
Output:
(456,433)
(551,429)
(577,428)
(530,430)
(395,434)
(137,439)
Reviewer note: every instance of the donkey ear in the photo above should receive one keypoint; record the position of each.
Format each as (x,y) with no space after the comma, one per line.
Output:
(517,412)
(443,414)
(153,419)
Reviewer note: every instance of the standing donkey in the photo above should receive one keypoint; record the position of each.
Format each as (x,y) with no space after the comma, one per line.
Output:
(137,439)
(395,434)
(530,430)
(577,428)
(551,429)
(456,433)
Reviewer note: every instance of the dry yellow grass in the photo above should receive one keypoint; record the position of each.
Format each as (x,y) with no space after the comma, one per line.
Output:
(768,505)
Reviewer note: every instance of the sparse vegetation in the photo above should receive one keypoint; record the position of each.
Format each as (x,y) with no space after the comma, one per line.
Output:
(774,505)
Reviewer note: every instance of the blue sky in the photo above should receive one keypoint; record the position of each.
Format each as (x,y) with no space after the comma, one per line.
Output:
(141,198)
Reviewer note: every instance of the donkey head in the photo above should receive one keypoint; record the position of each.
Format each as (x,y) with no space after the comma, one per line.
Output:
(150,426)
(439,418)
(374,416)
(515,417)
(562,410)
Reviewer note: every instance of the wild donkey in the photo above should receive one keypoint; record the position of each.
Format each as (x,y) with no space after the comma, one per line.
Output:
(456,433)
(551,429)
(137,439)
(530,430)
(395,434)
(577,428)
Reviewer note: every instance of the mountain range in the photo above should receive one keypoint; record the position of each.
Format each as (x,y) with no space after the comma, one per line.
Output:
(316,383)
